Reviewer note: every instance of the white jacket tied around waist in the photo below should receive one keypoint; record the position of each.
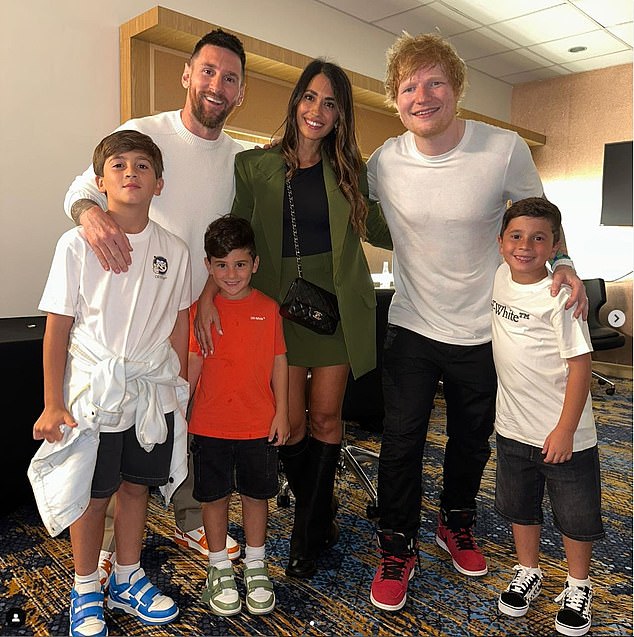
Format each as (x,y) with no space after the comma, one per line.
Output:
(98,385)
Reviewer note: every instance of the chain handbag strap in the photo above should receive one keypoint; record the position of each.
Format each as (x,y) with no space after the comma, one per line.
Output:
(291,205)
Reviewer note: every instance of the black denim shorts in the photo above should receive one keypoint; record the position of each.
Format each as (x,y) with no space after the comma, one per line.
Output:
(248,467)
(574,489)
(121,457)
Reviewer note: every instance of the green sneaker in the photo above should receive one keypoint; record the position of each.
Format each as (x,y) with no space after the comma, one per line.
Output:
(260,597)
(221,592)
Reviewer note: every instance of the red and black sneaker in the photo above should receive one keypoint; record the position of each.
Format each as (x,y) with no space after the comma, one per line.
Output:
(398,558)
(456,537)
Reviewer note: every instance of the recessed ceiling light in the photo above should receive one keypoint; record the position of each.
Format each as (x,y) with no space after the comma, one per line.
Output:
(577,49)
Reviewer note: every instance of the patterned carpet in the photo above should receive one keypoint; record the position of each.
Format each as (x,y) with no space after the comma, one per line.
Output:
(35,571)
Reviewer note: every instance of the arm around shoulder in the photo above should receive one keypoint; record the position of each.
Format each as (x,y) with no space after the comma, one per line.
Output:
(86,206)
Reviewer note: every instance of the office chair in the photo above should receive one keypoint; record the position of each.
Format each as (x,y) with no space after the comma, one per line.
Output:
(602,337)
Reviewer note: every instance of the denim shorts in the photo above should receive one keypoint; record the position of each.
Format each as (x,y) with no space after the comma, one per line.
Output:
(222,466)
(574,489)
(121,457)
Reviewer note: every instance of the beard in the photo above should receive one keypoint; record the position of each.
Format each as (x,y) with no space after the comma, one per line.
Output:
(211,121)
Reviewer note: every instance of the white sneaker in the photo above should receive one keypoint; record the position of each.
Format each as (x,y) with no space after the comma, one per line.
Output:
(197,540)
(106,561)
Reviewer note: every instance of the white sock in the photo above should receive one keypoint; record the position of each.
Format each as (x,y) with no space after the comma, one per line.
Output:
(532,569)
(579,583)
(254,558)
(253,553)
(122,572)
(217,558)
(87,583)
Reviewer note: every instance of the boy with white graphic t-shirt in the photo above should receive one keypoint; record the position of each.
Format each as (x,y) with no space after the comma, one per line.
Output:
(115,390)
(544,424)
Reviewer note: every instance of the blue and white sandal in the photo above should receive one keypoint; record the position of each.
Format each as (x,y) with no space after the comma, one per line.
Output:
(139,597)
(86,615)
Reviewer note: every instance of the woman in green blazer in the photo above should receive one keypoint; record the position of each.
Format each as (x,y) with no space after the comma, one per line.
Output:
(320,156)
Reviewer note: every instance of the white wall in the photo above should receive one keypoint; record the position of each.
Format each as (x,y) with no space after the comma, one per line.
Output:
(59,63)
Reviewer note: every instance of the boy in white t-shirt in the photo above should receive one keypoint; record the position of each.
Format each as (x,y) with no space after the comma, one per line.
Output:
(114,348)
(544,424)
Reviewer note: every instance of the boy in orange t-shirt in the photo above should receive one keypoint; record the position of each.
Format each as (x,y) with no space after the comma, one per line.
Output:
(239,417)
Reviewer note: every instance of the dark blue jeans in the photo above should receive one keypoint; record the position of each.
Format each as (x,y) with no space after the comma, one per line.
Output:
(412,367)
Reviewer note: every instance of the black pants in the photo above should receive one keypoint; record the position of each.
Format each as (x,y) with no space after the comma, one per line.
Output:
(412,367)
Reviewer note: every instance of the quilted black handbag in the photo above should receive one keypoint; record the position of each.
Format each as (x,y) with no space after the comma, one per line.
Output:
(306,303)
(311,306)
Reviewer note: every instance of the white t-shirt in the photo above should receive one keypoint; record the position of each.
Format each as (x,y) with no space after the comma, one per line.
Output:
(128,313)
(199,184)
(444,213)
(533,335)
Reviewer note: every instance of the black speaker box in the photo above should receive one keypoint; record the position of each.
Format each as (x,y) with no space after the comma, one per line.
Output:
(23,389)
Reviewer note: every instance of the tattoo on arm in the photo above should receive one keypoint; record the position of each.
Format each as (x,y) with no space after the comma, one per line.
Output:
(79,207)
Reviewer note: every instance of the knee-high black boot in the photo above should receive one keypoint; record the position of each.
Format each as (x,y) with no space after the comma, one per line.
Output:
(294,460)
(317,517)
(296,465)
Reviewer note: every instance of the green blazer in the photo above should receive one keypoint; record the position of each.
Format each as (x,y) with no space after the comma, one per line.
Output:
(259,197)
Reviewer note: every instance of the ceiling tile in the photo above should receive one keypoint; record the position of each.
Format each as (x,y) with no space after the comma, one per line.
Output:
(371,11)
(613,59)
(509,62)
(427,19)
(511,40)
(598,42)
(490,11)
(480,43)
(544,73)
(549,24)
(609,12)
(625,32)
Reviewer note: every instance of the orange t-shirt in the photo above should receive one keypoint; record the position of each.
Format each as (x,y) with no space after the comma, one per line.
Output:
(234,398)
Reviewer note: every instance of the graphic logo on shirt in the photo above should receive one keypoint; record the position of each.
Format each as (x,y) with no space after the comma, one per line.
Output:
(508,313)
(159,266)
(257,318)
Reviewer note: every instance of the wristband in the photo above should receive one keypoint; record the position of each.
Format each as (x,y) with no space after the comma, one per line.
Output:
(561,259)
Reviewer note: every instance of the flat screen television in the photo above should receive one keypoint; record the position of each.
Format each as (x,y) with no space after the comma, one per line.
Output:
(617,185)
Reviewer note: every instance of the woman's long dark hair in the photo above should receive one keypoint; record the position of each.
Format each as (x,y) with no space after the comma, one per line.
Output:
(340,144)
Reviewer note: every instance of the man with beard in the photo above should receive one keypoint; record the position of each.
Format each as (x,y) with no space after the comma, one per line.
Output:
(198,157)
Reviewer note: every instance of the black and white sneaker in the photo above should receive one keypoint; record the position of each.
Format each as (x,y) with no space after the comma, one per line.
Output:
(575,614)
(523,589)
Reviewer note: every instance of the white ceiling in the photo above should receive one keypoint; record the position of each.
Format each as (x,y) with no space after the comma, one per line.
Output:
(512,40)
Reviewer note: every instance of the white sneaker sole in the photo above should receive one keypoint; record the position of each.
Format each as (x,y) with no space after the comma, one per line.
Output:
(457,566)
(511,611)
(387,606)
(130,610)
(182,539)
(223,612)
(571,632)
(254,610)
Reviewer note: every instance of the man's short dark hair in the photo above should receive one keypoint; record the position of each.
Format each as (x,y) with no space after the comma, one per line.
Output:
(221,38)
(229,233)
(124,141)
(536,207)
